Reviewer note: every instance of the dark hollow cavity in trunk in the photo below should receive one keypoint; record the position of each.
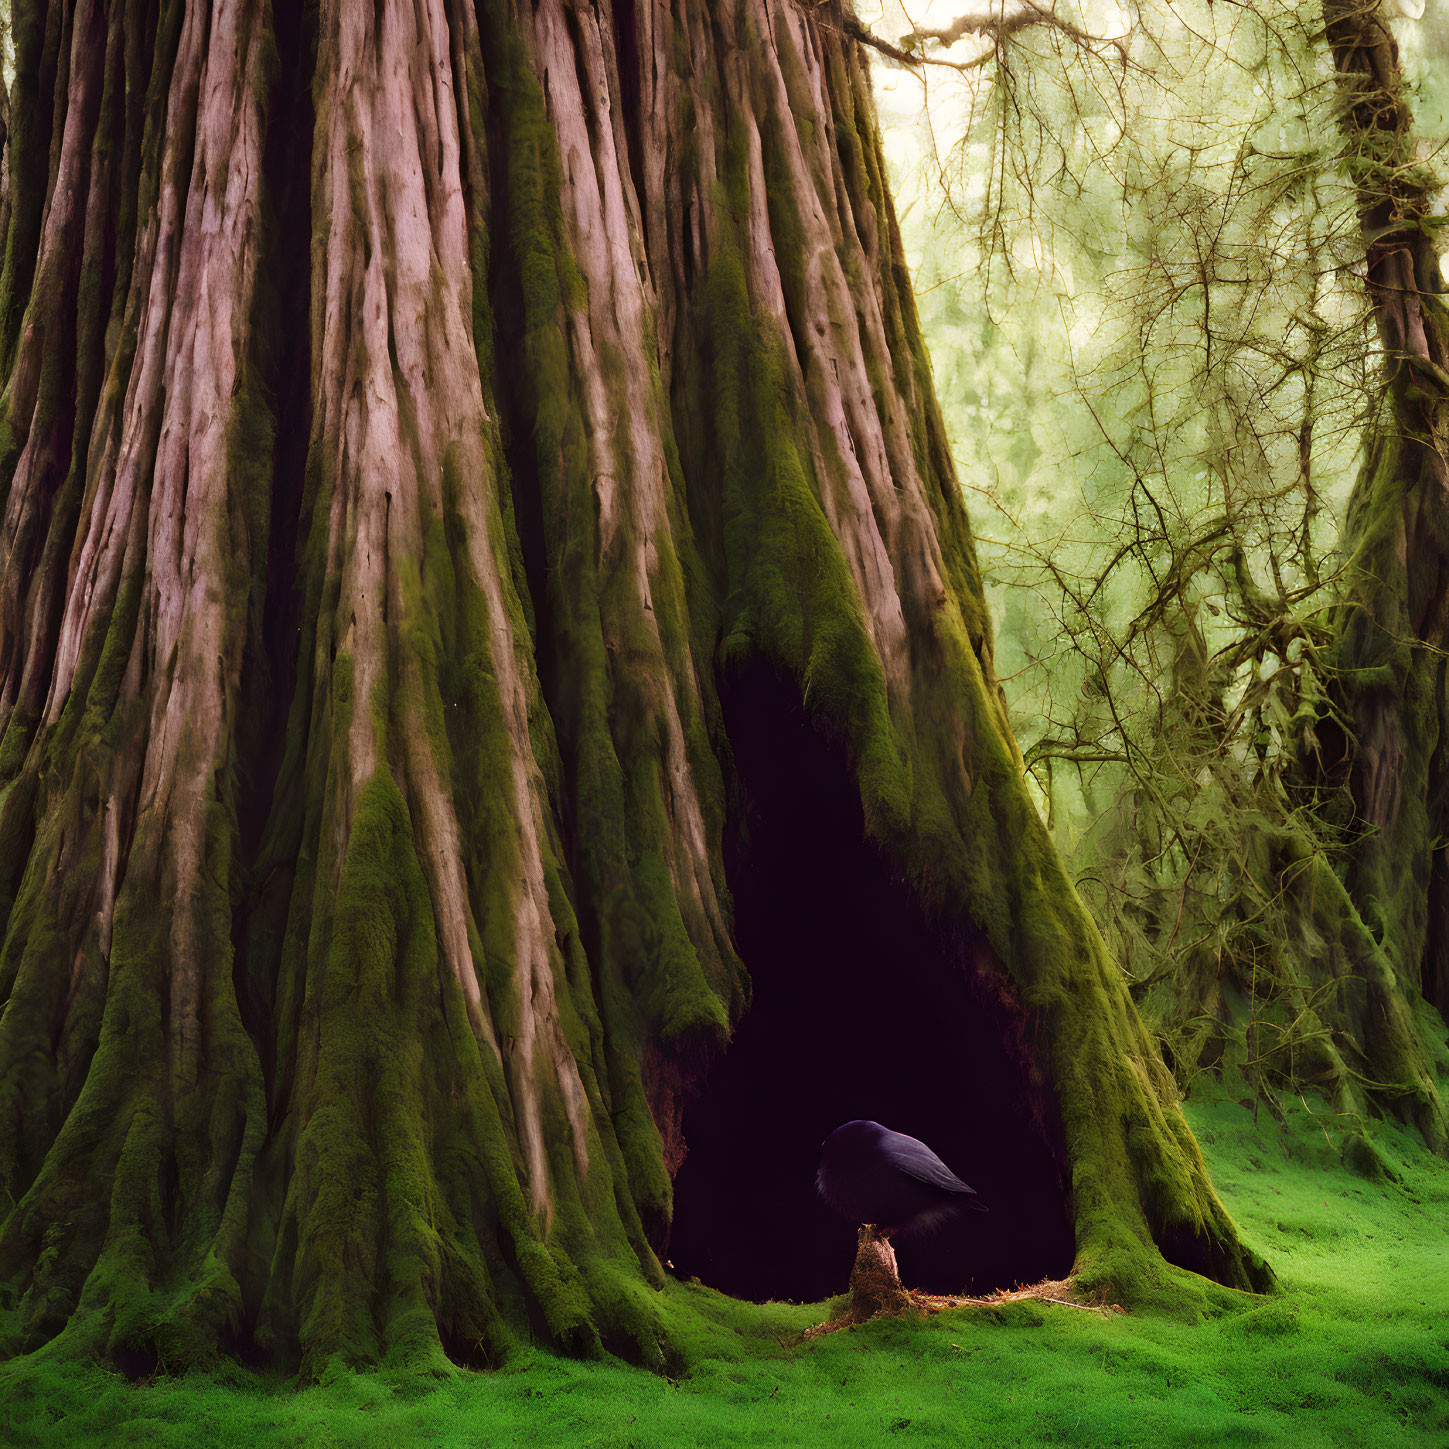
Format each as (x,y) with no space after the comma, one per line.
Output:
(863,1005)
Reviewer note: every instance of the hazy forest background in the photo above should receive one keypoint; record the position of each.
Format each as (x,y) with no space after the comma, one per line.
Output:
(1139,266)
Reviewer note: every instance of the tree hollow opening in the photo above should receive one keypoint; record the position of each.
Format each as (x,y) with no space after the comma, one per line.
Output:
(863,1005)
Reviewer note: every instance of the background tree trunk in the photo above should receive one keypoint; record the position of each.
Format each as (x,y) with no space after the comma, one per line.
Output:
(364,775)
(1391,682)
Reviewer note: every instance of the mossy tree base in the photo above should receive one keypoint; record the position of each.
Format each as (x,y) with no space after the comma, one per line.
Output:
(362,763)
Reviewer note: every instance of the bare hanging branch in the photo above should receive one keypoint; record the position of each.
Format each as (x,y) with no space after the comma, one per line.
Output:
(996,25)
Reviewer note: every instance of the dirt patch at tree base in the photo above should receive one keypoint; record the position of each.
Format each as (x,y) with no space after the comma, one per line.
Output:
(876,1292)
(918,1304)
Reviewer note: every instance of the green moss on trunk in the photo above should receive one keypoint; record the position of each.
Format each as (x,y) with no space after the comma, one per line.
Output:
(251,1105)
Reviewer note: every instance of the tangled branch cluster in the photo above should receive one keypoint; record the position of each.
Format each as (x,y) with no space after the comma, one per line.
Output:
(1165,420)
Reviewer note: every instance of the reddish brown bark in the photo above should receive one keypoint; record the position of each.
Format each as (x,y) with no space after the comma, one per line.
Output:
(364,778)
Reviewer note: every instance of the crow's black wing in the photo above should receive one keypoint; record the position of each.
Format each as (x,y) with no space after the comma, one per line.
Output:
(914,1158)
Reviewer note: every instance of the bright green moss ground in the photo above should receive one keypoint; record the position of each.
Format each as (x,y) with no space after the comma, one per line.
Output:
(1354,1351)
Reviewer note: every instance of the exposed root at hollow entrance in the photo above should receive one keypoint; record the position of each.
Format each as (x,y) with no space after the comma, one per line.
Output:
(876,1291)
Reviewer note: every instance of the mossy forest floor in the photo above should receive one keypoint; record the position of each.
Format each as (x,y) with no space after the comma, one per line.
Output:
(1353,1351)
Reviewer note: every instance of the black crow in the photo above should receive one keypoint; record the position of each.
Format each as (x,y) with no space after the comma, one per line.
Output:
(870,1174)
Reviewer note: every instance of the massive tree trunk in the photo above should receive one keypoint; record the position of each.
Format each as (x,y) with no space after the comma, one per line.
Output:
(446,452)
(1391,681)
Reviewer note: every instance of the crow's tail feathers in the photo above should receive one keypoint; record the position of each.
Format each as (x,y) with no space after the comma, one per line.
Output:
(928,1223)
